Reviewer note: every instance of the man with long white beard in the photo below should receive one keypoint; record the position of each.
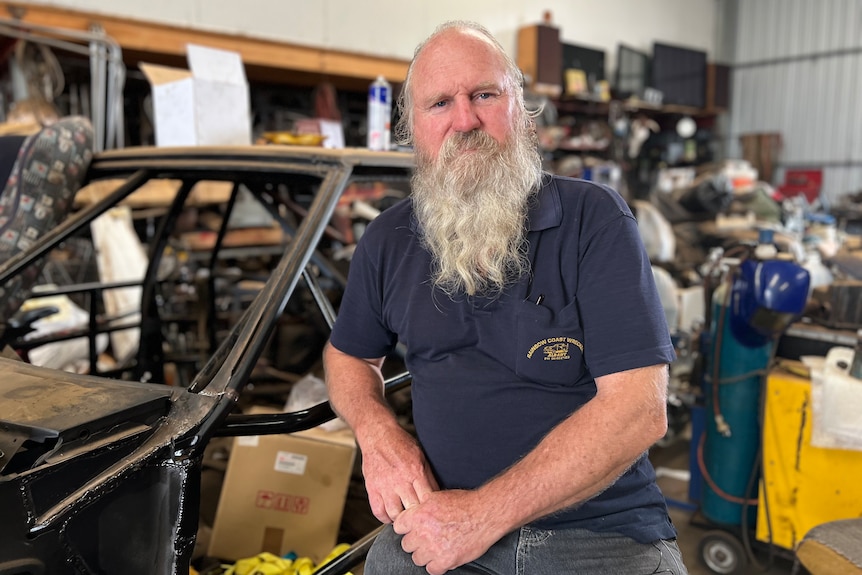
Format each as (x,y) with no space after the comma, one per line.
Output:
(534,335)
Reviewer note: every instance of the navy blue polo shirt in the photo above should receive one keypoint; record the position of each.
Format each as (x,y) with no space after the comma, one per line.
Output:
(491,377)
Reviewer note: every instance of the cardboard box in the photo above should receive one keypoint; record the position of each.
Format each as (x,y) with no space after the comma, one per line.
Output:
(283,493)
(207,105)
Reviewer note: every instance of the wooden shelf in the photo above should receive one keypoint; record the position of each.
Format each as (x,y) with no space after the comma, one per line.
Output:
(265,59)
(587,105)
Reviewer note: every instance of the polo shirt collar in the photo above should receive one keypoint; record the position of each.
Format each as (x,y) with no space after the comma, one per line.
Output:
(546,211)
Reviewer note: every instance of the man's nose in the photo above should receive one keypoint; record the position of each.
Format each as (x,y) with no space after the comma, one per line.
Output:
(465,119)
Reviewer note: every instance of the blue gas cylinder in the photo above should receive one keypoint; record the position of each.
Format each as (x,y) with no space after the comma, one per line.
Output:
(766,297)
(729,459)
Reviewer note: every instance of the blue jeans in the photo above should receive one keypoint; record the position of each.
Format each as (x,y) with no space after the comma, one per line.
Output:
(530,551)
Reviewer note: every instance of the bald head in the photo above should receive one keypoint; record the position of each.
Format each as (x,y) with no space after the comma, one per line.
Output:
(452,47)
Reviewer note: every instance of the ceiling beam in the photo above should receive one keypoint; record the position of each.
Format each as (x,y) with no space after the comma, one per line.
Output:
(162,41)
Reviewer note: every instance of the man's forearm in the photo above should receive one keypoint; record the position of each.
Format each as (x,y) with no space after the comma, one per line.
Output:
(396,473)
(356,393)
(583,455)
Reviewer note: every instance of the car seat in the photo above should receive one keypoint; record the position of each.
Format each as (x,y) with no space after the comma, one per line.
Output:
(49,168)
(832,548)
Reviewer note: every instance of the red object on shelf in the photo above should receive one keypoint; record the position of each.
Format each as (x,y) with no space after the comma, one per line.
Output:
(805,182)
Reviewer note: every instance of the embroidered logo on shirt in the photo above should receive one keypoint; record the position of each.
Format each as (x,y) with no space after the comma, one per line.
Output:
(555,348)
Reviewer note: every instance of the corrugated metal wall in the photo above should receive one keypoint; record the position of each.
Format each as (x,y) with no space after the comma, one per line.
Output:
(797,70)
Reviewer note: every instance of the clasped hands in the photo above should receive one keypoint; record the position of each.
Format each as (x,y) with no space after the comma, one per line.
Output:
(441,529)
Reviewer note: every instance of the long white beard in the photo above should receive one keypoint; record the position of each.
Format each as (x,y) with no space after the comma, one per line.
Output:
(472,207)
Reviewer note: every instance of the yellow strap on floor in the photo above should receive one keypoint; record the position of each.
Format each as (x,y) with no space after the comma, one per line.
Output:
(271,564)
(303,566)
(262,564)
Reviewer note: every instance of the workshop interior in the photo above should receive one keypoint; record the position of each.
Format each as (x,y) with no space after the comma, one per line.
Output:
(185,183)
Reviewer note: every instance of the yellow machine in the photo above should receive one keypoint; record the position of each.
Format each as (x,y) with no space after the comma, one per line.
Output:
(803,486)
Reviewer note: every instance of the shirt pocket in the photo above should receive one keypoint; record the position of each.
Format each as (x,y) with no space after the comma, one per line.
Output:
(550,345)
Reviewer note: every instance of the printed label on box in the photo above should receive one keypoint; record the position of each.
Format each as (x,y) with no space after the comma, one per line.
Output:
(248,440)
(288,462)
(286,502)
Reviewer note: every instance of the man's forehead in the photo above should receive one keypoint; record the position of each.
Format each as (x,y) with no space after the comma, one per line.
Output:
(446,37)
(478,36)
(447,59)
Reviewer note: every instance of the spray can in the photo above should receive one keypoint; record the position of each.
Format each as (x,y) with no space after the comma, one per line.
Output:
(379,114)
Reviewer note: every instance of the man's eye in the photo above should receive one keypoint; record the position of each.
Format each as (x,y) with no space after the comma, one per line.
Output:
(484,96)
(440,104)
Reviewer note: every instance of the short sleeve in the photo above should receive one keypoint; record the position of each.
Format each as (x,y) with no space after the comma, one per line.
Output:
(622,315)
(359,329)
